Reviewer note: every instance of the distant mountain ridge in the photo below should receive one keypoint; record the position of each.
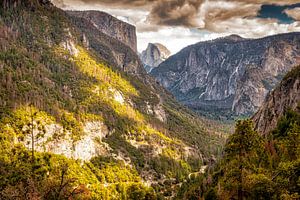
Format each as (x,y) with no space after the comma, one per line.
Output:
(229,76)
(153,55)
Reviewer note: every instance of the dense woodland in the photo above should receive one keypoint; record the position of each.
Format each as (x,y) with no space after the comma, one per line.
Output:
(42,83)
(254,166)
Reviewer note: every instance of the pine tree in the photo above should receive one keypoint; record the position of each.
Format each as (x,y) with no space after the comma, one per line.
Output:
(241,150)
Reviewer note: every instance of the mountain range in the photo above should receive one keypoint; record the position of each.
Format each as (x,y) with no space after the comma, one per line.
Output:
(229,76)
(261,158)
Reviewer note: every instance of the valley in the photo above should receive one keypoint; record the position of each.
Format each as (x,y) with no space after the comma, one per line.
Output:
(84,115)
(229,77)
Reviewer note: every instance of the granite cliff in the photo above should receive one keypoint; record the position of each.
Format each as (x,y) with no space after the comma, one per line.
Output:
(154,55)
(111,26)
(284,97)
(229,76)
(113,40)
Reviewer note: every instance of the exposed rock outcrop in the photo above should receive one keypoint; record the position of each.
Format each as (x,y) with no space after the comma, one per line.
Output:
(230,75)
(113,40)
(154,55)
(111,26)
(59,141)
(285,96)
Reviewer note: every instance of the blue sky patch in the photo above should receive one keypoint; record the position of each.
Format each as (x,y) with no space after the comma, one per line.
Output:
(277,12)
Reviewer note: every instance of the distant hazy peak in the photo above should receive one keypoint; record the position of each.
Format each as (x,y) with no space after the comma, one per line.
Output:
(165,52)
(155,54)
(229,38)
(234,37)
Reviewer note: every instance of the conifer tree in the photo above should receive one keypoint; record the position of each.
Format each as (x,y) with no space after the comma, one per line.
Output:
(241,150)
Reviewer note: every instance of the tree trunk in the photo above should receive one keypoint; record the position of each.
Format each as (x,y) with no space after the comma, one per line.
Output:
(32,138)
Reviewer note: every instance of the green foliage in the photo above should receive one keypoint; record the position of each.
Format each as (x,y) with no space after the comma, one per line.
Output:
(115,171)
(71,89)
(289,121)
(137,192)
(293,74)
(259,186)
(56,177)
(259,168)
(244,141)
(24,116)
(170,168)
(192,188)
(71,124)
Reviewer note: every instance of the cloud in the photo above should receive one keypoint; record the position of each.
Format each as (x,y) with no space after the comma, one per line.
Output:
(116,3)
(240,17)
(175,13)
(161,12)
(293,13)
(274,2)
(214,13)
(175,38)
(183,13)
(177,23)
(59,3)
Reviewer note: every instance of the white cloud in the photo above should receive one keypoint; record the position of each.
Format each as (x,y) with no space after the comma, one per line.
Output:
(216,18)
(174,38)
(293,13)
(255,28)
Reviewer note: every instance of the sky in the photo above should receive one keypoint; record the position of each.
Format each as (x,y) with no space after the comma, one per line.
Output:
(179,23)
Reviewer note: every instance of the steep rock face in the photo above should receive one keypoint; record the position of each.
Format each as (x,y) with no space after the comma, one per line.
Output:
(109,46)
(154,55)
(229,75)
(285,96)
(111,26)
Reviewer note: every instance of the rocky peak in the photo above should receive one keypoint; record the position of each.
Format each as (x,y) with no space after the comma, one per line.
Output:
(155,54)
(285,96)
(234,38)
(111,26)
(222,78)
(164,51)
